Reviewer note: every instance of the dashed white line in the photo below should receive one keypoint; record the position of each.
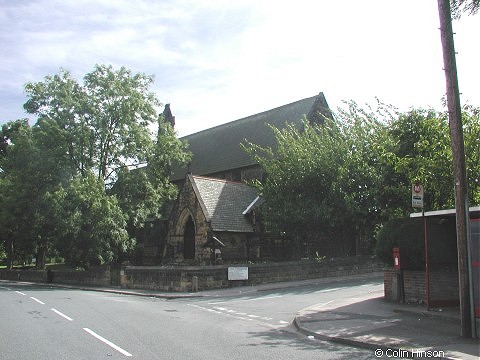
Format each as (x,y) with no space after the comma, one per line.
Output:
(40,302)
(94,334)
(62,314)
(109,343)
(243,300)
(236,314)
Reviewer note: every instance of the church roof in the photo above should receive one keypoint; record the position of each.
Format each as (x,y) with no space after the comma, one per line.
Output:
(224,202)
(218,149)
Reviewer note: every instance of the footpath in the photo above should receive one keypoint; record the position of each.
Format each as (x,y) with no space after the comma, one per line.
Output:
(391,330)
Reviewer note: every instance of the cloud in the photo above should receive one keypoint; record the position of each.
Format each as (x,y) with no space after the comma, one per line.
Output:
(219,60)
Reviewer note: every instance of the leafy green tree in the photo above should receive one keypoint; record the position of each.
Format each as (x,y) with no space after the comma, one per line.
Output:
(339,182)
(142,191)
(100,126)
(17,190)
(91,225)
(302,185)
(471,135)
(419,150)
(362,177)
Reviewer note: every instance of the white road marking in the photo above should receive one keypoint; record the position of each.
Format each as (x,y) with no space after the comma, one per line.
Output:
(109,343)
(61,314)
(236,314)
(243,300)
(19,292)
(40,302)
(328,290)
(323,304)
(221,312)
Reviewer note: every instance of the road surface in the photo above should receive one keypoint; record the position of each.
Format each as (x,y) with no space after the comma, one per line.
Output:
(40,322)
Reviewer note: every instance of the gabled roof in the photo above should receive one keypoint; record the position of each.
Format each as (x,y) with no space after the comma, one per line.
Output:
(223,202)
(218,149)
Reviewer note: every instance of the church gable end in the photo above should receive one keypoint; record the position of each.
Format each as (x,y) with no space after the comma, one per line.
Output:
(188,226)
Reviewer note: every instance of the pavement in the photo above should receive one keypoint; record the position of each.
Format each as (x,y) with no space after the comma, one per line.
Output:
(392,330)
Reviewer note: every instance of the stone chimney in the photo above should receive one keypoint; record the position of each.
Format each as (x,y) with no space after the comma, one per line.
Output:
(167,115)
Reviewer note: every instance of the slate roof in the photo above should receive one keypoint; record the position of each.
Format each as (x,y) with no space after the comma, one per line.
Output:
(218,149)
(224,202)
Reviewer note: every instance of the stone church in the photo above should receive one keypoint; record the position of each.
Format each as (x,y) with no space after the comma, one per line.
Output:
(214,217)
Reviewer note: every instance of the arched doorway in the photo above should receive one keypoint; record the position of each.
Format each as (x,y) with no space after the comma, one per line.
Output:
(189,239)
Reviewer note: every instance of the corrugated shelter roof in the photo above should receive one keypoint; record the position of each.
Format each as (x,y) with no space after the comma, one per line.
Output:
(224,202)
(218,149)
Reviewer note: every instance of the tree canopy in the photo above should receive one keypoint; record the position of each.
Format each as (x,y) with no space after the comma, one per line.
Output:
(336,183)
(460,7)
(95,164)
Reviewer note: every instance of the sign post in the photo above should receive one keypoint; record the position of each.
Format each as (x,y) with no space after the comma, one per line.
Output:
(417,195)
(417,202)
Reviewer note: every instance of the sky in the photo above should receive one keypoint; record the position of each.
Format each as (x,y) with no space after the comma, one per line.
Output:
(216,61)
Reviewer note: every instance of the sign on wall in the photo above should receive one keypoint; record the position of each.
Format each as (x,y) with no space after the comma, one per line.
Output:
(238,273)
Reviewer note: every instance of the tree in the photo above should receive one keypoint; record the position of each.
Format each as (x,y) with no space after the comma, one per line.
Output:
(142,191)
(460,7)
(100,126)
(339,182)
(471,135)
(16,190)
(304,187)
(419,150)
(363,173)
(91,227)
(72,181)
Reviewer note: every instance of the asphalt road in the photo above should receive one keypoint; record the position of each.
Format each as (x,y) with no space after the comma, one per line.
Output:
(38,322)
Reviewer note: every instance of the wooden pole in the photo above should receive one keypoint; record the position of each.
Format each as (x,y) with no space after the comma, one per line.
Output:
(459,169)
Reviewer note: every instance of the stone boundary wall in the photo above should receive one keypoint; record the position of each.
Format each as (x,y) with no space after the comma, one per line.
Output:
(99,276)
(443,287)
(215,277)
(24,275)
(94,277)
(190,278)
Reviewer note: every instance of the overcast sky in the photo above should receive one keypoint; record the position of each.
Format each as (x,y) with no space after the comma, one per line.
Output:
(216,61)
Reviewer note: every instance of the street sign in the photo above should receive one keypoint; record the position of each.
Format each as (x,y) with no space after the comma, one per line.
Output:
(417,195)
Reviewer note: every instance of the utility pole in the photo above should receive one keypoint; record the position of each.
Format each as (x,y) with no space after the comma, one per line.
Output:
(459,168)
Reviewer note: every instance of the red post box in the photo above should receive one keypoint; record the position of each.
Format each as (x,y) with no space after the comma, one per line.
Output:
(396,258)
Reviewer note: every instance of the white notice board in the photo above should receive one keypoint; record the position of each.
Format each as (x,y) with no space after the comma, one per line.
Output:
(238,273)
